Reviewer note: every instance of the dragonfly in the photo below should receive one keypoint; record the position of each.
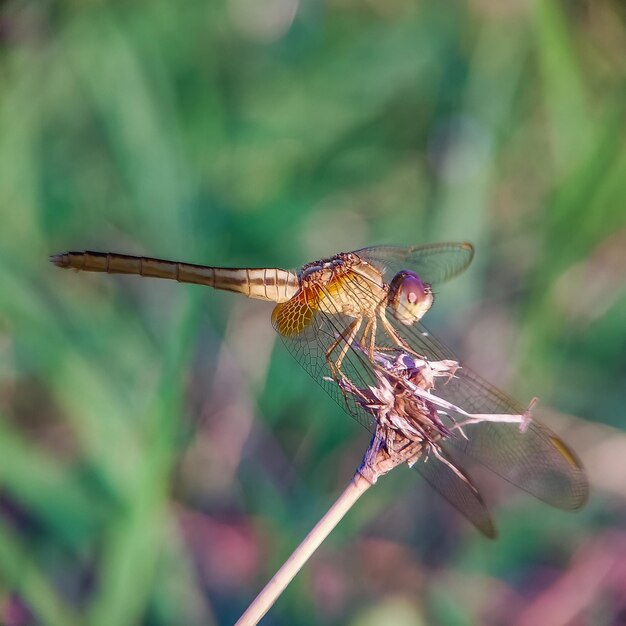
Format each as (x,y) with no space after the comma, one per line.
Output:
(342,316)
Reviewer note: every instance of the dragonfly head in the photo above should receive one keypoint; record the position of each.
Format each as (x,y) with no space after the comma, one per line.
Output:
(409,297)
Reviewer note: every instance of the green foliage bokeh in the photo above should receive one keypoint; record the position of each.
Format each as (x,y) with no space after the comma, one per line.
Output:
(160,454)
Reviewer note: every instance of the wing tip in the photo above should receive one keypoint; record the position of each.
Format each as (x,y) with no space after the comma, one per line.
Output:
(469,247)
(489,530)
(580,495)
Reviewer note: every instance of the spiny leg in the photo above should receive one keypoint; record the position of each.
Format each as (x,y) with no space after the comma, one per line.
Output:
(369,330)
(394,335)
(372,345)
(364,335)
(347,336)
(335,367)
(390,330)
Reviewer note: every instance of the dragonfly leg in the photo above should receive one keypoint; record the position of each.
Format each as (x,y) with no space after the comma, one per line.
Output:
(372,338)
(369,337)
(347,337)
(394,335)
(364,335)
(369,331)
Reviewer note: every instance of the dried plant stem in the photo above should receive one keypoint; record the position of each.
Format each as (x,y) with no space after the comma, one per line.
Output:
(263,602)
(386,450)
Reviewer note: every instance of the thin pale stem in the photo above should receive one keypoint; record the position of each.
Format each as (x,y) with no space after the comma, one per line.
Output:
(264,601)
(387,449)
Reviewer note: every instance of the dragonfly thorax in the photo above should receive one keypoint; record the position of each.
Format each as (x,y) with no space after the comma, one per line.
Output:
(328,267)
(343,284)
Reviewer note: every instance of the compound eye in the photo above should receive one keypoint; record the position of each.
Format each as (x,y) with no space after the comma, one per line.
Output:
(409,297)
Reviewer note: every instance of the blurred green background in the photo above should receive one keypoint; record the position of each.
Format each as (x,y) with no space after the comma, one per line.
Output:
(160,452)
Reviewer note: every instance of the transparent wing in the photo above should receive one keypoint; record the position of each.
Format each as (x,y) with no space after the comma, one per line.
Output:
(533,458)
(310,345)
(457,489)
(434,263)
